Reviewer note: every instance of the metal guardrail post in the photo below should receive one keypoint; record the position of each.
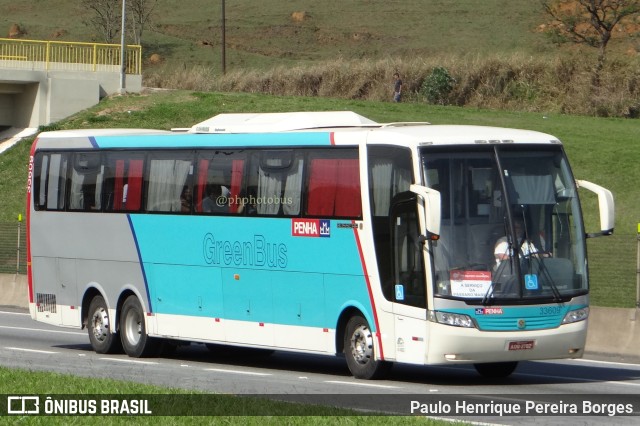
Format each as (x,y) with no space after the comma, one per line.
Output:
(46,62)
(638,272)
(95,57)
(18,253)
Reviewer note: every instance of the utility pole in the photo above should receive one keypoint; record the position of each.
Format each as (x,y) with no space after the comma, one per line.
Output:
(638,273)
(122,49)
(224,43)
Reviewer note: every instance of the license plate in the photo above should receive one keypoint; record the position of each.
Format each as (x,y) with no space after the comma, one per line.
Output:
(522,345)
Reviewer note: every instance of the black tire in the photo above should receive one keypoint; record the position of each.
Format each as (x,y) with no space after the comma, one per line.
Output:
(359,350)
(133,334)
(496,370)
(102,334)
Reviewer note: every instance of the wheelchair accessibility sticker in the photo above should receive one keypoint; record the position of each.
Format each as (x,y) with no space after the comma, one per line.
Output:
(399,292)
(531,282)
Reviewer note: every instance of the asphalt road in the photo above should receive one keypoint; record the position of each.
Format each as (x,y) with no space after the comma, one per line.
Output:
(25,343)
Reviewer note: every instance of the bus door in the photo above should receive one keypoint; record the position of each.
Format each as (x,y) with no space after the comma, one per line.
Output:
(409,287)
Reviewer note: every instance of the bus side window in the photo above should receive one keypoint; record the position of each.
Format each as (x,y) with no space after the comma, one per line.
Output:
(334,188)
(219,182)
(166,179)
(390,173)
(122,188)
(408,262)
(279,186)
(50,181)
(86,181)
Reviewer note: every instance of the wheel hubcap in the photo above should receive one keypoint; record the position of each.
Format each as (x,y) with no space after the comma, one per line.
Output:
(133,328)
(100,324)
(362,344)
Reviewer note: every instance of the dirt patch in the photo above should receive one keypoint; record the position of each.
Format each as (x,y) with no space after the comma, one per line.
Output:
(299,16)
(155,59)
(120,110)
(15,31)
(59,33)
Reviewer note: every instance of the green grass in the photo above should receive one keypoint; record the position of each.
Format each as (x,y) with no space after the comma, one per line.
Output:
(495,51)
(189,33)
(601,150)
(221,408)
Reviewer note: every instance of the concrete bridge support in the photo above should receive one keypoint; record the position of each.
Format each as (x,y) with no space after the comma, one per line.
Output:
(31,98)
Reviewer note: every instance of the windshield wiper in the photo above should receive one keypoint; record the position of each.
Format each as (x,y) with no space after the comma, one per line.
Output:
(499,272)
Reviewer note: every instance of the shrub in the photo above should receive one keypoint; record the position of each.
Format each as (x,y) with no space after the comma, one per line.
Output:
(437,86)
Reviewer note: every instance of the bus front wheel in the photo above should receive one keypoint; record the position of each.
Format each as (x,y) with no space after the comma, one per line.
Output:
(496,370)
(359,350)
(103,338)
(133,333)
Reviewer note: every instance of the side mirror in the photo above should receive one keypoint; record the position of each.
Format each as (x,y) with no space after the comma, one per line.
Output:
(605,205)
(431,199)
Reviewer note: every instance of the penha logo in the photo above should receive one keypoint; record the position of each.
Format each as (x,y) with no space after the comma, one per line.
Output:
(489,311)
(310,227)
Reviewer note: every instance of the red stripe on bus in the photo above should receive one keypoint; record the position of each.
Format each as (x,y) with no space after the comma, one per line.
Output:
(28,208)
(366,276)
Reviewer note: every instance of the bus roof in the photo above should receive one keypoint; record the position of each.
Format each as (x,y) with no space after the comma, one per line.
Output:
(83,133)
(281,122)
(283,129)
(446,134)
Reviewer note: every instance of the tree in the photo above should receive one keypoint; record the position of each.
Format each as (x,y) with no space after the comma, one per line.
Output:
(139,14)
(589,22)
(107,17)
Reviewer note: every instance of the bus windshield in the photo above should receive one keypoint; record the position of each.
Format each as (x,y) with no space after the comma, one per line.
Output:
(511,226)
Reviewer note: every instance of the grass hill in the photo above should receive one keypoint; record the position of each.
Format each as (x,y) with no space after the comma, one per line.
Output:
(496,52)
(272,32)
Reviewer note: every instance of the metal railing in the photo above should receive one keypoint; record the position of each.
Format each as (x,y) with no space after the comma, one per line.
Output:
(13,248)
(68,56)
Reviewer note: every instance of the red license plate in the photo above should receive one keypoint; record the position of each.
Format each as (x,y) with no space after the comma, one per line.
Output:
(522,345)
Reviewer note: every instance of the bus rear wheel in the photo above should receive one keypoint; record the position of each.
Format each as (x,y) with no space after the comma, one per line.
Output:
(496,370)
(359,350)
(103,338)
(133,333)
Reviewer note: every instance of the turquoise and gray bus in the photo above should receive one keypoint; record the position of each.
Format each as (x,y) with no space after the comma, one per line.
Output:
(322,233)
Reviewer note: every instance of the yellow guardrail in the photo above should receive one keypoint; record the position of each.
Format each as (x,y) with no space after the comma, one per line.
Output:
(69,56)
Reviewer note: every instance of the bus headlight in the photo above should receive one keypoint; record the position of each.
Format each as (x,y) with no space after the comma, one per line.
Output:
(576,315)
(448,318)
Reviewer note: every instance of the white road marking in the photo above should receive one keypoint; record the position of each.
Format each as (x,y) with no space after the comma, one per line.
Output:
(42,330)
(577,379)
(15,313)
(370,385)
(30,350)
(594,361)
(247,373)
(130,361)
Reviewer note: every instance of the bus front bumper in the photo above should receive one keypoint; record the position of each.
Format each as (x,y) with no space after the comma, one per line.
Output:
(448,344)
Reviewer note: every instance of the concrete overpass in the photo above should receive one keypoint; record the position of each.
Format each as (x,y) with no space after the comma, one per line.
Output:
(42,82)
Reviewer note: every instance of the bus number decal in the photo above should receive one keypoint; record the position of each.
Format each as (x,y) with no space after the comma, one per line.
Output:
(550,310)
(30,175)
